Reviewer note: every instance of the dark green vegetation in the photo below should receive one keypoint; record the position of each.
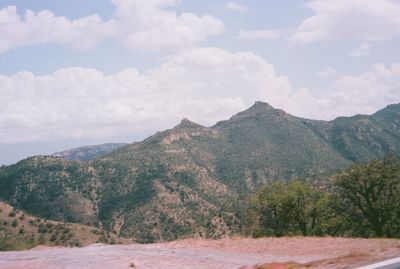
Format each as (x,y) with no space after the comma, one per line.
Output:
(194,180)
(19,230)
(370,197)
(362,201)
(88,152)
(291,208)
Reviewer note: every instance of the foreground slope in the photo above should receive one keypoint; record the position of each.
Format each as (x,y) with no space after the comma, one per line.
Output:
(189,180)
(20,230)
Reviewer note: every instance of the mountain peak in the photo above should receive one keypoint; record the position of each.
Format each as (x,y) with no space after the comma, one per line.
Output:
(186,123)
(256,109)
(260,106)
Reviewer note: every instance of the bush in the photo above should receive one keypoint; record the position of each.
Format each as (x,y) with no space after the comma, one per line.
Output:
(14,223)
(53,238)
(42,229)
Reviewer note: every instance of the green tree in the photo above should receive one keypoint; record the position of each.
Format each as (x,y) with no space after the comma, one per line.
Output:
(370,195)
(290,208)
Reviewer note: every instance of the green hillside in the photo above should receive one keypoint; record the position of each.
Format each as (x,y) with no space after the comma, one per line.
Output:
(191,180)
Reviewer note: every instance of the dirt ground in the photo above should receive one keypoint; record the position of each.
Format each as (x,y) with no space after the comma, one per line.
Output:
(229,253)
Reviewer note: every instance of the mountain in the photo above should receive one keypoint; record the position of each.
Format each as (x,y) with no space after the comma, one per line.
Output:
(192,180)
(20,230)
(88,152)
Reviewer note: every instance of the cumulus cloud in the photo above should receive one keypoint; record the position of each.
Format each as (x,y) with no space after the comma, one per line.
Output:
(367,92)
(354,19)
(363,50)
(148,25)
(45,27)
(204,84)
(261,34)
(327,72)
(136,24)
(350,95)
(236,7)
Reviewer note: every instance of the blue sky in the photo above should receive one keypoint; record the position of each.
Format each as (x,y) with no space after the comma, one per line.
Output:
(86,72)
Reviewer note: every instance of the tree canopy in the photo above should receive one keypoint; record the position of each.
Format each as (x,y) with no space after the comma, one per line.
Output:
(370,194)
(294,207)
(364,200)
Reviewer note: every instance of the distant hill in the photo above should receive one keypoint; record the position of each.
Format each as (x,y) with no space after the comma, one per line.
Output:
(20,230)
(88,152)
(191,180)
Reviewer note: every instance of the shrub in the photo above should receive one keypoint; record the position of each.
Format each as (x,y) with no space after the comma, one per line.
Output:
(53,238)
(14,223)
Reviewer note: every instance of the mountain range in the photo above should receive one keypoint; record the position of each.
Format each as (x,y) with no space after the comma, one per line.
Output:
(88,152)
(193,180)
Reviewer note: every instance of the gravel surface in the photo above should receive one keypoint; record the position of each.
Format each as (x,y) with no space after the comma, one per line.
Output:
(210,254)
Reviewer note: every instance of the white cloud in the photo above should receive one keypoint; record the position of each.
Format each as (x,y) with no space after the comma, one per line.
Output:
(260,34)
(45,27)
(148,25)
(327,72)
(367,92)
(236,7)
(350,95)
(136,24)
(353,19)
(204,84)
(363,50)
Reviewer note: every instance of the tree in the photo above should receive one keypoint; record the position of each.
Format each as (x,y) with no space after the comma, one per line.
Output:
(370,194)
(292,208)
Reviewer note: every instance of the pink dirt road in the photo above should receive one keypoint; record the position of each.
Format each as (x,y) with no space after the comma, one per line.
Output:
(210,254)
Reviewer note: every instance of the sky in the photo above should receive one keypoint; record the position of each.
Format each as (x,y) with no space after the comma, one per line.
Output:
(76,73)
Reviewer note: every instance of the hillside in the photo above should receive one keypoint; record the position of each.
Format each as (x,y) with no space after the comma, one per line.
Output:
(20,230)
(190,180)
(88,152)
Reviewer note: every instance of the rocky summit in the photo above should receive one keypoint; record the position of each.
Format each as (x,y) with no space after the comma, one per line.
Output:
(192,180)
